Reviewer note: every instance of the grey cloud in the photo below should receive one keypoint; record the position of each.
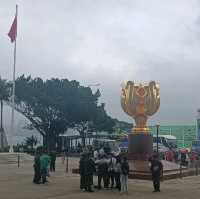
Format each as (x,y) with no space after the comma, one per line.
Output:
(109,42)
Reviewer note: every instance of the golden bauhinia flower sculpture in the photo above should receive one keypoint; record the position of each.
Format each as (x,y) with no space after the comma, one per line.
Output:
(140,101)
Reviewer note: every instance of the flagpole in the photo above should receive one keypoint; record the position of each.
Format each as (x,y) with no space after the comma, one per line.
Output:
(13,94)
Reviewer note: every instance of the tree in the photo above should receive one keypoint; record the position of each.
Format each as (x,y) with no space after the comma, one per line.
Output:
(83,128)
(103,122)
(121,126)
(54,105)
(93,119)
(31,141)
(41,102)
(4,96)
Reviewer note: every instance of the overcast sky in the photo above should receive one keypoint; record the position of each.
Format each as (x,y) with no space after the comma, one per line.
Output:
(109,42)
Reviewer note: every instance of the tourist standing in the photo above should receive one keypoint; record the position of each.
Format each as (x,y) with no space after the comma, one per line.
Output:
(102,171)
(117,170)
(124,175)
(37,173)
(157,172)
(44,164)
(89,171)
(82,166)
(52,161)
(111,171)
(183,158)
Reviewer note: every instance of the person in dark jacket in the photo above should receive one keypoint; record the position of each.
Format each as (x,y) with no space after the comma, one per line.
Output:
(111,171)
(82,166)
(157,172)
(37,173)
(102,171)
(52,161)
(124,175)
(117,170)
(89,171)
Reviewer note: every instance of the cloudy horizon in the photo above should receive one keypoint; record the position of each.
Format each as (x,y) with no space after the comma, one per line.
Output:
(109,42)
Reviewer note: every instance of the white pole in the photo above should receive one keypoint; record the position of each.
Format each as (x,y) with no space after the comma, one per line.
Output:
(183,137)
(13,95)
(197,124)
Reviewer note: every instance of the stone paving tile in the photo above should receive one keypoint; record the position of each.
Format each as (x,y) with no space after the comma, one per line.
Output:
(16,183)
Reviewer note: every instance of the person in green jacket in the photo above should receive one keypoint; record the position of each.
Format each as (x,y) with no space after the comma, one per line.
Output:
(44,164)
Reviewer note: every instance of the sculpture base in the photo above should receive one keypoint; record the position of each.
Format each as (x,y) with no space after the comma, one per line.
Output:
(140,149)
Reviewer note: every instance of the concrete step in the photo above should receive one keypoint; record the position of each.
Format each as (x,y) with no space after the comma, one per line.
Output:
(12,158)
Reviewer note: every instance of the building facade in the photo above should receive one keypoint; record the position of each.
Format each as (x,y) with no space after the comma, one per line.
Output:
(184,134)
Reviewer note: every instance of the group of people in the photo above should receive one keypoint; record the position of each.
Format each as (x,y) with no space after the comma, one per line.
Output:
(183,157)
(112,170)
(42,164)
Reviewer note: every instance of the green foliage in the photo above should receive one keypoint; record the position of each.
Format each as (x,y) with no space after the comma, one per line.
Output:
(102,122)
(121,126)
(31,141)
(54,105)
(4,96)
(4,90)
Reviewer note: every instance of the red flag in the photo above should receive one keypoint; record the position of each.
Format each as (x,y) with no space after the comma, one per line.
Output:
(13,30)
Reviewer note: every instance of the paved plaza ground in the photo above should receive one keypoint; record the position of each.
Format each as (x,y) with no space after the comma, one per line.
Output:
(16,183)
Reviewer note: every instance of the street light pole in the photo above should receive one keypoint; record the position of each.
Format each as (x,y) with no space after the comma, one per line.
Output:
(157,132)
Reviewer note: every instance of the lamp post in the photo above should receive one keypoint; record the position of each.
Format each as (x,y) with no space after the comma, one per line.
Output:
(157,132)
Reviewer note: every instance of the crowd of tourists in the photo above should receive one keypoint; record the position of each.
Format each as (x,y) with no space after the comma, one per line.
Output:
(182,157)
(112,172)
(43,164)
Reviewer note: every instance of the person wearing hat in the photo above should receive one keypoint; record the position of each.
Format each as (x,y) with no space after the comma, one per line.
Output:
(157,172)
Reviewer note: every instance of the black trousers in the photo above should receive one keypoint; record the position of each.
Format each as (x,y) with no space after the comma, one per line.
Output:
(112,178)
(37,176)
(156,183)
(105,180)
(82,182)
(86,181)
(117,180)
(89,182)
(52,165)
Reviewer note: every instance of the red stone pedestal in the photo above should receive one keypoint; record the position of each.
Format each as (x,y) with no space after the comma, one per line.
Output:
(140,149)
